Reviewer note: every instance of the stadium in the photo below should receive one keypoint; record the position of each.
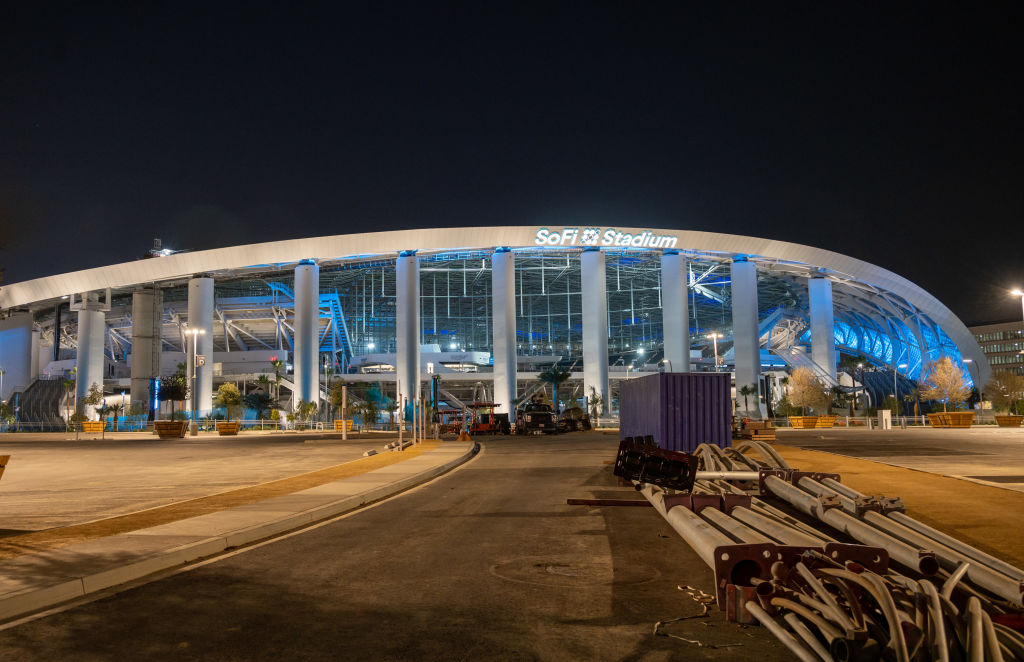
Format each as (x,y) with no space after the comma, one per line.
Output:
(480,311)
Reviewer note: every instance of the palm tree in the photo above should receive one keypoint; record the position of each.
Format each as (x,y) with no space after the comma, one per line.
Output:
(69,388)
(596,405)
(554,376)
(278,364)
(746,391)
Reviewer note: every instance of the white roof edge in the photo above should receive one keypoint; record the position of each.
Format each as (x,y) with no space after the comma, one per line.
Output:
(469,238)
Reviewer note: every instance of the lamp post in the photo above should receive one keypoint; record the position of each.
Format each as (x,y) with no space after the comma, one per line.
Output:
(861,366)
(714,338)
(195,333)
(895,391)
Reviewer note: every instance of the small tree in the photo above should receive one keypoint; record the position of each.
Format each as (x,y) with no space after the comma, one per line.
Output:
(806,391)
(944,381)
(175,388)
(1005,390)
(596,405)
(94,398)
(277,364)
(69,390)
(337,396)
(230,398)
(305,410)
(258,401)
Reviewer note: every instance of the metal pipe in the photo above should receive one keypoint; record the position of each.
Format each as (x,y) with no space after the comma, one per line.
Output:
(975,632)
(840,616)
(728,475)
(697,533)
(899,551)
(991,641)
(780,633)
(741,532)
(980,575)
(939,645)
(782,533)
(976,555)
(804,633)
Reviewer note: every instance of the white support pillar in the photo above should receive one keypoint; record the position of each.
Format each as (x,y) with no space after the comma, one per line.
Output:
(823,325)
(147,327)
(92,331)
(307,325)
(503,305)
(200,315)
(16,346)
(675,311)
(595,325)
(407,323)
(746,345)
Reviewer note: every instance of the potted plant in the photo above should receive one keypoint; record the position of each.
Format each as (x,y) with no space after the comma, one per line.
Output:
(944,381)
(228,397)
(807,392)
(1005,390)
(175,389)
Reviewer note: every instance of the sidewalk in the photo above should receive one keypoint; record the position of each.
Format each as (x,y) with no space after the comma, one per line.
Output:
(45,568)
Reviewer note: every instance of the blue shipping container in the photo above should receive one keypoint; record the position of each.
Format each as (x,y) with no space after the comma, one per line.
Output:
(681,410)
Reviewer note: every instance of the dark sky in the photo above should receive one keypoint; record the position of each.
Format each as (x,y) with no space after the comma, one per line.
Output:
(887,131)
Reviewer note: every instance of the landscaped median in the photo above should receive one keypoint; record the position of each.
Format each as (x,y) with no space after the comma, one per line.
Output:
(45,568)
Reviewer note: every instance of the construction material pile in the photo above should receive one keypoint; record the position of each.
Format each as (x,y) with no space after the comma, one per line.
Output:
(834,574)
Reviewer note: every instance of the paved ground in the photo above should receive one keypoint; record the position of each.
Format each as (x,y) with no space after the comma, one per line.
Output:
(55,481)
(991,455)
(485,563)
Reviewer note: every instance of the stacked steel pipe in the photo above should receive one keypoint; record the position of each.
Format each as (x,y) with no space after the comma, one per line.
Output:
(834,574)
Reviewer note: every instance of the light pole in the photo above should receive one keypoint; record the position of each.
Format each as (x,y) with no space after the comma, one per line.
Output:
(714,338)
(895,391)
(861,366)
(195,333)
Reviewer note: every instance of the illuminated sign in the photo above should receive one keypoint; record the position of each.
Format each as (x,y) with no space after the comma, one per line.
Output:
(603,237)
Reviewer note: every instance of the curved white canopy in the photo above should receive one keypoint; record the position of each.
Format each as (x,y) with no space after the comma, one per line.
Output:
(835,265)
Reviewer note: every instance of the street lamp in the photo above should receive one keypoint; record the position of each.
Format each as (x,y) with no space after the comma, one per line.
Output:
(895,392)
(861,366)
(195,333)
(714,338)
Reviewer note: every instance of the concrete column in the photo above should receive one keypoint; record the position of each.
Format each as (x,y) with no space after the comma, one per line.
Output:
(595,325)
(407,322)
(16,353)
(307,341)
(746,346)
(200,315)
(823,325)
(33,373)
(92,331)
(503,305)
(147,325)
(675,311)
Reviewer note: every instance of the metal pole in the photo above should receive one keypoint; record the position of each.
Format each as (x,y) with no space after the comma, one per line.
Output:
(193,425)
(344,412)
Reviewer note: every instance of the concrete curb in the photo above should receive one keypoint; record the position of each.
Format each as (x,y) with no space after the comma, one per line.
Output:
(22,601)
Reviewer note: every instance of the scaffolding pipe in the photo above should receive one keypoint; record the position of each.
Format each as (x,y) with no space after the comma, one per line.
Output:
(697,533)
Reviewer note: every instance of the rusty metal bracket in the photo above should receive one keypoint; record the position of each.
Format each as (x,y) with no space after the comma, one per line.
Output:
(764,473)
(875,559)
(731,501)
(736,598)
(740,564)
(642,462)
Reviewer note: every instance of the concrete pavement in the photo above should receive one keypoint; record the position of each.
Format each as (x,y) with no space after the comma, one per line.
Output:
(38,574)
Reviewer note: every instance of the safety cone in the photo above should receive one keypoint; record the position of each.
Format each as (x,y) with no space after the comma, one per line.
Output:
(464,436)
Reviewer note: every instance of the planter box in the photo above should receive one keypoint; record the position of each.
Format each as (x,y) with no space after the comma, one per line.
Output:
(228,428)
(347,423)
(803,422)
(951,419)
(1009,421)
(825,422)
(170,429)
(92,426)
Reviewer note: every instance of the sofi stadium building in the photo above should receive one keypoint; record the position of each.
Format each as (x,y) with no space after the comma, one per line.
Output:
(485,309)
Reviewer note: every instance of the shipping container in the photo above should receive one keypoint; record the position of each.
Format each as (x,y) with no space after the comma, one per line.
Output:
(681,410)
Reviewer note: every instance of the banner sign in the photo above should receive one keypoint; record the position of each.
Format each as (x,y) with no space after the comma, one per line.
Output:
(603,237)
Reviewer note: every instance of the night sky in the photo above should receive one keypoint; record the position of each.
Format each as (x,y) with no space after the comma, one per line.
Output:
(887,131)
